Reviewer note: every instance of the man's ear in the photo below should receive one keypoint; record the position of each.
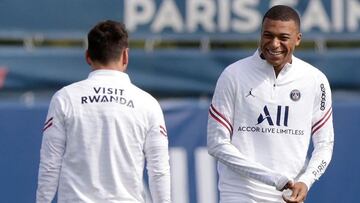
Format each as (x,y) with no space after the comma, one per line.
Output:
(298,39)
(87,58)
(125,57)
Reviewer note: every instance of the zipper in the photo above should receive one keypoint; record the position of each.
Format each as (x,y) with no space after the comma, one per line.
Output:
(274,85)
(273,94)
(275,80)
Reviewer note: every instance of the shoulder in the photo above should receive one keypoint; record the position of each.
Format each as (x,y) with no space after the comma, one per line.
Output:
(310,71)
(240,65)
(149,103)
(69,89)
(61,93)
(66,92)
(75,85)
(60,100)
(144,96)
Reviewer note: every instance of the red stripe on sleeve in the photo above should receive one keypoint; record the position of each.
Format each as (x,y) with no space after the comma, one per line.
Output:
(221,122)
(322,124)
(48,126)
(48,121)
(222,116)
(317,123)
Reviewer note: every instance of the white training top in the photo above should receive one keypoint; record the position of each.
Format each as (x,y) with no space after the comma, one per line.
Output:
(97,136)
(260,126)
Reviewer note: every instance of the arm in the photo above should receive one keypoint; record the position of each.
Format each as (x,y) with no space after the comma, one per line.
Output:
(318,163)
(323,140)
(51,153)
(157,157)
(322,135)
(220,130)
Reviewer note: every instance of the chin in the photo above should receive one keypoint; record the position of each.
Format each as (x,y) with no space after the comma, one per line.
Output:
(273,62)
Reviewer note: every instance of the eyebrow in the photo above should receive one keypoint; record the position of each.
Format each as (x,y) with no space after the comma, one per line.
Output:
(281,34)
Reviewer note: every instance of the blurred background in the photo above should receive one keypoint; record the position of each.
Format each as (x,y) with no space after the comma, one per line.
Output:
(178,50)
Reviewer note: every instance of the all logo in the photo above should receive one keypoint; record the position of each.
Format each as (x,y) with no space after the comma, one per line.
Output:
(282,116)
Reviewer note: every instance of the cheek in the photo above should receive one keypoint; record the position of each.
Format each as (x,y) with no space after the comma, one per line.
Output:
(264,43)
(290,45)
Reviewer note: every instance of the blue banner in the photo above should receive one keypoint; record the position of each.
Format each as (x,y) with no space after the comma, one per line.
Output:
(237,19)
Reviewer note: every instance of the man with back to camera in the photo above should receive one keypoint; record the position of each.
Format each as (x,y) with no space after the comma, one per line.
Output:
(100,131)
(264,111)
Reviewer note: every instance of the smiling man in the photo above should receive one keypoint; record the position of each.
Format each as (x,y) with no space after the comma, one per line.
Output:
(261,141)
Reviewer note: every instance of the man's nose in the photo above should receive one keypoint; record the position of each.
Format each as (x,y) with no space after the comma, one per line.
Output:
(275,42)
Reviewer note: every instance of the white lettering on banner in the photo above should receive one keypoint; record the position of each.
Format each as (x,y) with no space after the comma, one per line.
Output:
(179,175)
(353,15)
(200,15)
(205,174)
(240,16)
(338,13)
(138,12)
(252,16)
(201,12)
(224,16)
(315,16)
(168,16)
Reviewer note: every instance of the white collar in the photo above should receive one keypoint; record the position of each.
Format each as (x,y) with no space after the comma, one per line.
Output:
(109,73)
(265,64)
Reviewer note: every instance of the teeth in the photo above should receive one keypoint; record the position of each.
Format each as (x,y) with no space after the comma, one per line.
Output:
(274,52)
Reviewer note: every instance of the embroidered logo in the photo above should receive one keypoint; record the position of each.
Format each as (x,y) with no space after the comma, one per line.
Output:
(250,93)
(323,97)
(295,95)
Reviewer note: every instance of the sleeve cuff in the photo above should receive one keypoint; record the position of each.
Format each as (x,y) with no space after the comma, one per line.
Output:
(280,184)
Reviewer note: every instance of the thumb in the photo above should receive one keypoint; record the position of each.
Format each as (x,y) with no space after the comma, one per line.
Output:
(290,184)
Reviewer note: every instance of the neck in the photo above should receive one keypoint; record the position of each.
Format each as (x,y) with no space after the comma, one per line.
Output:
(109,66)
(277,70)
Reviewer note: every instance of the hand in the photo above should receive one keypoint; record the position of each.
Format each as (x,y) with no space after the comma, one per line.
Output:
(288,185)
(299,192)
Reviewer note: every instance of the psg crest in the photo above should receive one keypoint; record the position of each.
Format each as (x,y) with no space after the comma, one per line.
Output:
(295,95)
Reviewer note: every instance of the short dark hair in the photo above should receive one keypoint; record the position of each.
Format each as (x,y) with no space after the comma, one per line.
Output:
(283,13)
(106,41)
